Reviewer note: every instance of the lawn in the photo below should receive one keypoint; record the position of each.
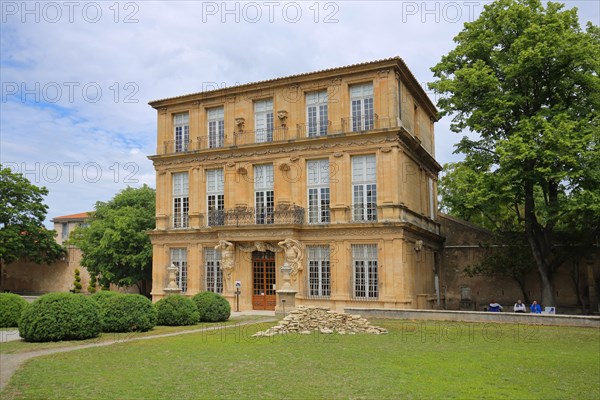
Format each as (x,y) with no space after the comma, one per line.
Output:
(415,360)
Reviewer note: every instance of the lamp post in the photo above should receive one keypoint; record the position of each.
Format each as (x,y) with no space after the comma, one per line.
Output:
(283,305)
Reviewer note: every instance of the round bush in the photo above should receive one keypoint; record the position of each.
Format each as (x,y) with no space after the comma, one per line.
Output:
(60,316)
(176,310)
(11,307)
(212,307)
(103,295)
(127,313)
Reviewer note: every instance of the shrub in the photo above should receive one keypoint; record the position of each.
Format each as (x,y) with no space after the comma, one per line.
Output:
(104,295)
(92,285)
(212,307)
(11,307)
(60,316)
(77,282)
(127,313)
(176,310)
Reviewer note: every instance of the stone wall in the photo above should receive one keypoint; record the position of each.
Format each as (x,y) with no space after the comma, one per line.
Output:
(463,248)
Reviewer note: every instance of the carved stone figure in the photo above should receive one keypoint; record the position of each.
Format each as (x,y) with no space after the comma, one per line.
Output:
(293,255)
(227,257)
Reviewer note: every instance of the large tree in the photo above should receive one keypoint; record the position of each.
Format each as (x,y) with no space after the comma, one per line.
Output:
(523,79)
(114,244)
(22,215)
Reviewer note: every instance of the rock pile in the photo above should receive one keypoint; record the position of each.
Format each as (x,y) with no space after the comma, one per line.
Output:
(307,319)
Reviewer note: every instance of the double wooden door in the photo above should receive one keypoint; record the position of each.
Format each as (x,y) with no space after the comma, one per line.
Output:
(263,278)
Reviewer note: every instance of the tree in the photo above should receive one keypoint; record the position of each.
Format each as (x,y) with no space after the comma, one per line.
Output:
(115,245)
(524,80)
(22,215)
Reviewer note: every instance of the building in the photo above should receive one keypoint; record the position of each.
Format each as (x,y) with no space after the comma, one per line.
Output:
(320,185)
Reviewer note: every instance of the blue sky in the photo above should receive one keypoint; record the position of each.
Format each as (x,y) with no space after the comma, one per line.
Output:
(77,76)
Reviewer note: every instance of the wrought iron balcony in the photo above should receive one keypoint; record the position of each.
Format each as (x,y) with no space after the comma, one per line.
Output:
(256,216)
(300,131)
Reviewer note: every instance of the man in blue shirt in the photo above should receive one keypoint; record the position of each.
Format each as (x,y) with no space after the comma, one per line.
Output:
(536,308)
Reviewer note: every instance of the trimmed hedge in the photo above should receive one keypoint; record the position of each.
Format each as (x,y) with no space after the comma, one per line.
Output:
(176,310)
(212,307)
(103,295)
(127,313)
(11,307)
(60,316)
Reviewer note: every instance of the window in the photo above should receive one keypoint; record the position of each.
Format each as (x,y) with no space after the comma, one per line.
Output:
(364,259)
(263,121)
(317,172)
(215,199)
(181,123)
(213,273)
(361,100)
(317,118)
(416,125)
(181,201)
(179,259)
(431,192)
(216,127)
(319,271)
(263,193)
(364,188)
(65,230)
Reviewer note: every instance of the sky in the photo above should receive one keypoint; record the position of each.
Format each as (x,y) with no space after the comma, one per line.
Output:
(77,76)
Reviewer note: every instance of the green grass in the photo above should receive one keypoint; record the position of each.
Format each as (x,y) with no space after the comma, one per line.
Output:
(414,361)
(21,346)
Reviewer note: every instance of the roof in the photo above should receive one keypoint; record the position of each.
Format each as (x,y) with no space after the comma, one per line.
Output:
(83,215)
(413,82)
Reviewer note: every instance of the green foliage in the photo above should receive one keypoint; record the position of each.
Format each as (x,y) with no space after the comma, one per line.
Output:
(77,281)
(115,245)
(524,79)
(22,214)
(11,306)
(103,295)
(176,310)
(60,316)
(92,285)
(212,307)
(127,313)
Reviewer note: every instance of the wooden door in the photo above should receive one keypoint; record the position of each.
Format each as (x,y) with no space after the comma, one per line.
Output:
(263,273)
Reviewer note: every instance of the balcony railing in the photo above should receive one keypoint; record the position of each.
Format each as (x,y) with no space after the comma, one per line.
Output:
(256,216)
(200,143)
(299,131)
(260,136)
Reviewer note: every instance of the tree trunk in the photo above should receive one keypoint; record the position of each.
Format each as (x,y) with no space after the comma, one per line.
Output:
(535,236)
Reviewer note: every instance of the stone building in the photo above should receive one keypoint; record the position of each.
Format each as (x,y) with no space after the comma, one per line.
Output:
(317,189)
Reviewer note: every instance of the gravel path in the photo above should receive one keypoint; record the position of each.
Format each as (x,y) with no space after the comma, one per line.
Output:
(9,363)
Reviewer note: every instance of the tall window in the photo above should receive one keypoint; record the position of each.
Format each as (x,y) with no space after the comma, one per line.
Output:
(65,230)
(263,193)
(215,198)
(366,280)
(317,118)
(319,271)
(181,201)
(318,191)
(263,120)
(179,259)
(431,193)
(361,100)
(181,123)
(216,127)
(213,272)
(364,188)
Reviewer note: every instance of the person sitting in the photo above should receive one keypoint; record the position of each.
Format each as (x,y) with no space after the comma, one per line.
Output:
(519,307)
(494,307)
(535,308)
